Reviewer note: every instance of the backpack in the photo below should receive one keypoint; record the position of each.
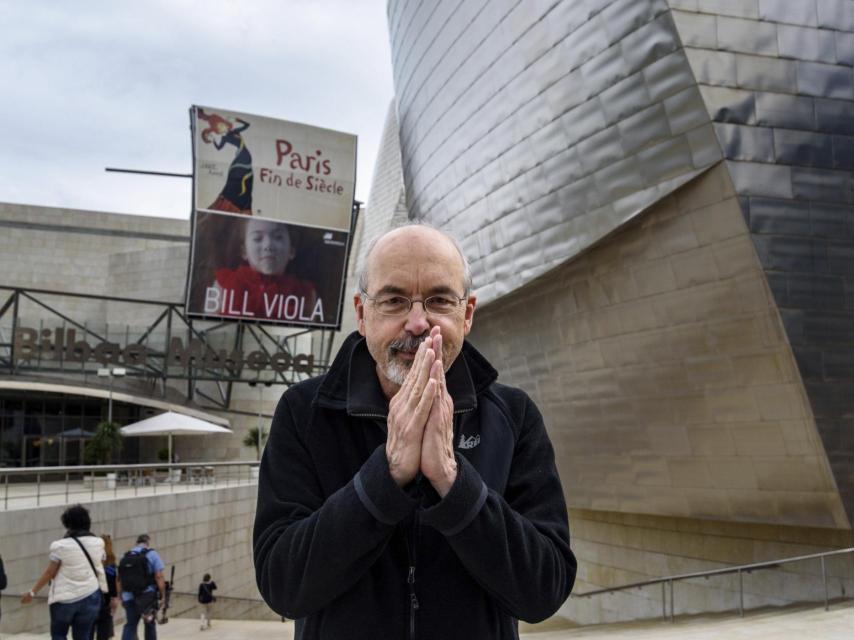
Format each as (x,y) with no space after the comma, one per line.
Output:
(205,593)
(135,572)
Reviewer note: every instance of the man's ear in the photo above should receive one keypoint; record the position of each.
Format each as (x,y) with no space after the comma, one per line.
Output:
(471,303)
(359,305)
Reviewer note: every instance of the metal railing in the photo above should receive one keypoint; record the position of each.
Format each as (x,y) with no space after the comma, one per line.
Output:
(739,570)
(38,486)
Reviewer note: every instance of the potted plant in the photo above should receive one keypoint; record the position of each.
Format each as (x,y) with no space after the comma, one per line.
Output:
(100,448)
(252,440)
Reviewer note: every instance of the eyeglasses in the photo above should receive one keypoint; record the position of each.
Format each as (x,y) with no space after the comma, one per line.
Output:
(396,305)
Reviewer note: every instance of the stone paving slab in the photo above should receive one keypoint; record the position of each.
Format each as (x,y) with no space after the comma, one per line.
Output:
(783,624)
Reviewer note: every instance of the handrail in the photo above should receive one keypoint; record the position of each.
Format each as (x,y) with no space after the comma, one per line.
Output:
(177,474)
(98,468)
(737,569)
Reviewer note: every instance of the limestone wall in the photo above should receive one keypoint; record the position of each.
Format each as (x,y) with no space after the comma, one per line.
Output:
(615,549)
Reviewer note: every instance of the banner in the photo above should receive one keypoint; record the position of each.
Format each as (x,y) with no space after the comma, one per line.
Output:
(273,202)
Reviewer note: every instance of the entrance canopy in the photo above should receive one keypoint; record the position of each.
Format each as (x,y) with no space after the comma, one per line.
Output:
(170,424)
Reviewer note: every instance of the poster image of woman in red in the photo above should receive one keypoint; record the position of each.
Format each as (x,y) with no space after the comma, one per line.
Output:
(236,195)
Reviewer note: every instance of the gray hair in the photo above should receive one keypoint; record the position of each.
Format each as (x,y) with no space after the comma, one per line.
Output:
(362,282)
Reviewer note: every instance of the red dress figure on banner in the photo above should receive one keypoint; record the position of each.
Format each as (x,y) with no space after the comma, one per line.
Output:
(259,287)
(236,195)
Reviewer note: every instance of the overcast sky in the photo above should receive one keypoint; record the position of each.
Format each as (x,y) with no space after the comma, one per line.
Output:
(92,84)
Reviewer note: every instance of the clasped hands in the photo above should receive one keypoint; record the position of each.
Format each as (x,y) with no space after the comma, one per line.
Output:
(421,422)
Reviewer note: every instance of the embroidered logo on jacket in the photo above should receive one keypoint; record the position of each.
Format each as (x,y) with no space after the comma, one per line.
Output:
(468,443)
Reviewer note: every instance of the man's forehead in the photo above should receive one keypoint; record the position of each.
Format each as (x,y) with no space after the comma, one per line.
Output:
(404,259)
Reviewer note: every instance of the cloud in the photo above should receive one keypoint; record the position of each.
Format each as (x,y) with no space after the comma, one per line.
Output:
(98,84)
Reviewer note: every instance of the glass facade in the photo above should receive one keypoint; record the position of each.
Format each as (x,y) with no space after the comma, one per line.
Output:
(49,429)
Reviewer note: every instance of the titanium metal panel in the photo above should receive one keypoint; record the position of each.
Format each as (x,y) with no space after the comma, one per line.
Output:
(577,70)
(747,36)
(807,44)
(788,12)
(733,8)
(785,110)
(739,142)
(730,105)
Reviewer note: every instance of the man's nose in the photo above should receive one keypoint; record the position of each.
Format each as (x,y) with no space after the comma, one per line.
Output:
(416,319)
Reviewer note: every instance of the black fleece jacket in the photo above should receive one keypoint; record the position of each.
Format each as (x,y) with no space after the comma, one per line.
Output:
(342,549)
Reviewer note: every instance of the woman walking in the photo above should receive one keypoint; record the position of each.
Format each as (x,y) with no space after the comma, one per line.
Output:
(103,628)
(76,575)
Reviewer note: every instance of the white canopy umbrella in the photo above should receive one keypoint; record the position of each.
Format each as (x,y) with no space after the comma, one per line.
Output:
(171,423)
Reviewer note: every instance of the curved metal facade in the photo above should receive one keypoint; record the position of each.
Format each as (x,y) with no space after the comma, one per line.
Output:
(536,130)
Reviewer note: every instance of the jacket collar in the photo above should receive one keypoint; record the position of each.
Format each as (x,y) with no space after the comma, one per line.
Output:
(351,383)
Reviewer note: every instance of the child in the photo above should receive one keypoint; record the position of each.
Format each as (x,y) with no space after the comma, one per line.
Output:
(206,599)
(259,286)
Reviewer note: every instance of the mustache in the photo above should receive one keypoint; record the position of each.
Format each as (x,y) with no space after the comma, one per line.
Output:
(408,343)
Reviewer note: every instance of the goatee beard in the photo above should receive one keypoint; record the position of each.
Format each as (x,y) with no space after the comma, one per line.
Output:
(395,370)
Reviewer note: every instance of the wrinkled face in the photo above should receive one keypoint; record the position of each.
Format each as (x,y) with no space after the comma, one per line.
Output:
(267,246)
(415,262)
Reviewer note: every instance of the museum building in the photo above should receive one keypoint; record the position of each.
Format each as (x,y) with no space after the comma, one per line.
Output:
(657,200)
(92,326)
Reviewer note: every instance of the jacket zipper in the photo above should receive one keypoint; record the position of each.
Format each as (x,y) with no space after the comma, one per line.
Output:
(411,540)
(369,415)
(411,544)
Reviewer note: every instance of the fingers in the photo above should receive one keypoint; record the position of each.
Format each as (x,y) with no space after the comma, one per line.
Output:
(425,405)
(420,370)
(438,374)
(404,394)
(407,382)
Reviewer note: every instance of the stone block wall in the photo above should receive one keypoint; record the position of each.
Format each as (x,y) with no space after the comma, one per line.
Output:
(615,548)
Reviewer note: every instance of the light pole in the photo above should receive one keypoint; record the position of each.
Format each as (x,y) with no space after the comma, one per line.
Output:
(115,372)
(260,385)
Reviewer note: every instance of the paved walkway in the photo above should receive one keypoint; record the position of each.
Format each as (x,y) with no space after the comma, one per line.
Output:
(784,624)
(811,623)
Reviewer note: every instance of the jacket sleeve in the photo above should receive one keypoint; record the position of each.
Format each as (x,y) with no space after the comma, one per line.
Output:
(515,544)
(309,548)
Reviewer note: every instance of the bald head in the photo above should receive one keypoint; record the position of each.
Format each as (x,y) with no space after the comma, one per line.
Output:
(424,237)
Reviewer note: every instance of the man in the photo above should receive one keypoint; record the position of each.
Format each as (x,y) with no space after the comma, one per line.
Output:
(405,493)
(140,580)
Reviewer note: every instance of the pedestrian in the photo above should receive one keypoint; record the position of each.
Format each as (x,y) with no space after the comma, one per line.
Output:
(406,493)
(140,581)
(76,575)
(103,628)
(206,598)
(3,580)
